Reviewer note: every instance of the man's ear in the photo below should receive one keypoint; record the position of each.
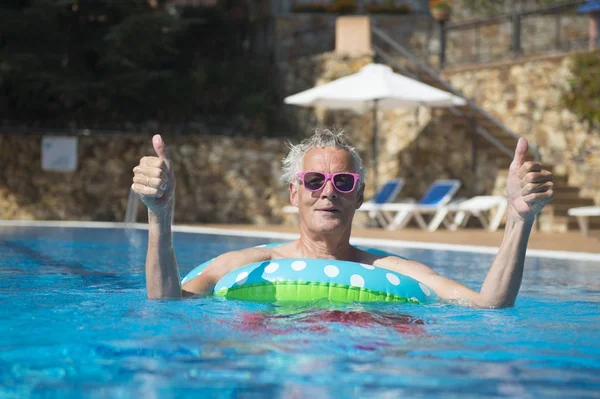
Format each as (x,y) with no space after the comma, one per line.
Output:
(361,195)
(293,194)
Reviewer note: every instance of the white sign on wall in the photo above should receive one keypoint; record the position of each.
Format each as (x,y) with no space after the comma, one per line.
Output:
(59,153)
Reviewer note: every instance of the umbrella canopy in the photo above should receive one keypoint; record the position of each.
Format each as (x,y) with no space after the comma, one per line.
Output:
(374,82)
(374,87)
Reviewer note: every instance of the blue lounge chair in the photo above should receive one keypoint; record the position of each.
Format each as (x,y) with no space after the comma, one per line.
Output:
(434,202)
(386,194)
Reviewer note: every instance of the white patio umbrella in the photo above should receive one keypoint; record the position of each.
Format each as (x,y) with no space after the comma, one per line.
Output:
(374,87)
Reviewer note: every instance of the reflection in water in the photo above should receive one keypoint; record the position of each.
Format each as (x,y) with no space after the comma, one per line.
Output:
(324,321)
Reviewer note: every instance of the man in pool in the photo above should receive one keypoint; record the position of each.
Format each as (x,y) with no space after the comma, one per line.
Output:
(326,182)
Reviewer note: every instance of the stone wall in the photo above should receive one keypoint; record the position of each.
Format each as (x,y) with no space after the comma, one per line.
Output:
(234,180)
(526,96)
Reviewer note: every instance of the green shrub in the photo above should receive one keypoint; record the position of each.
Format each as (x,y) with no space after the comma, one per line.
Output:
(103,64)
(583,96)
(337,7)
(388,7)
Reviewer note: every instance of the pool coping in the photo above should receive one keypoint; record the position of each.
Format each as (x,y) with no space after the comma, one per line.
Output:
(541,253)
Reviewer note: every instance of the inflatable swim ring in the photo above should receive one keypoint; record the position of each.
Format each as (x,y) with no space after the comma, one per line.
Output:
(304,279)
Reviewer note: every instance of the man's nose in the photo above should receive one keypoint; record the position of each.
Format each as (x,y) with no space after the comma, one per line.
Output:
(329,190)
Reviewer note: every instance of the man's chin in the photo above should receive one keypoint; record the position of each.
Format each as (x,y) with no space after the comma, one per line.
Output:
(330,226)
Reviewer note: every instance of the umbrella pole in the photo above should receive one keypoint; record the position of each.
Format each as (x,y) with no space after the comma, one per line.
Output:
(374,146)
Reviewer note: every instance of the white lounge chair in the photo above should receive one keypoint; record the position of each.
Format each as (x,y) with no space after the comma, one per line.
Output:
(290,209)
(434,202)
(386,194)
(582,214)
(478,206)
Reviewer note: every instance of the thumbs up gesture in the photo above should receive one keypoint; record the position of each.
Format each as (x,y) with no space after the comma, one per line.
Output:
(529,185)
(154,180)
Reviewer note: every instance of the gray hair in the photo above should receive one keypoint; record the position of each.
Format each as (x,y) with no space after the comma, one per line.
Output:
(322,138)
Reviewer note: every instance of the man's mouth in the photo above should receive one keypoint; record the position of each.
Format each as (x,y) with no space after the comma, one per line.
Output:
(328,210)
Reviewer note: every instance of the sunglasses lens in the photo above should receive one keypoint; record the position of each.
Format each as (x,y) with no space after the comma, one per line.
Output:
(314,181)
(344,182)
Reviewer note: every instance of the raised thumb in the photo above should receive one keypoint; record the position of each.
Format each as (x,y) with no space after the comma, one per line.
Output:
(520,152)
(160,147)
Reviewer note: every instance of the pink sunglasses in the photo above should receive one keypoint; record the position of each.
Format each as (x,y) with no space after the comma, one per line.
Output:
(344,182)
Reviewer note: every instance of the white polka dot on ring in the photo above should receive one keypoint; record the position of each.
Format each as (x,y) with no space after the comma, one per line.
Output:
(298,265)
(392,278)
(357,281)
(331,271)
(271,267)
(241,278)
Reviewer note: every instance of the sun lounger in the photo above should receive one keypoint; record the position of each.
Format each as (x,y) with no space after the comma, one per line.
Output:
(434,202)
(386,194)
(478,206)
(582,214)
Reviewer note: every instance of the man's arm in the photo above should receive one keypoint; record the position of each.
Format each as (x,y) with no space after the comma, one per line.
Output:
(529,188)
(162,273)
(502,283)
(503,280)
(154,181)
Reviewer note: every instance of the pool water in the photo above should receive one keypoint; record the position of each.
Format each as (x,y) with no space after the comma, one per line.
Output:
(76,323)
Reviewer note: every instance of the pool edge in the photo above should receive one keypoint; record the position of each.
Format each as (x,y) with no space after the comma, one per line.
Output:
(541,253)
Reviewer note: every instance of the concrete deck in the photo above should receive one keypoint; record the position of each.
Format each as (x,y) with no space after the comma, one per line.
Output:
(569,241)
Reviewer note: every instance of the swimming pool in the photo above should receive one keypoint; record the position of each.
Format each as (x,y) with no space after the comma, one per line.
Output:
(76,323)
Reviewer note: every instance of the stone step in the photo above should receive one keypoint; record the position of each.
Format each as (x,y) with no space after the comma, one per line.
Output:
(481,142)
(508,141)
(562,207)
(572,200)
(567,190)
(567,193)
(478,118)
(554,216)
(562,223)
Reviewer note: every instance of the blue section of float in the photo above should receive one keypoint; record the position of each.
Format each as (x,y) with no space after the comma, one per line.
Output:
(327,271)
(200,268)
(323,271)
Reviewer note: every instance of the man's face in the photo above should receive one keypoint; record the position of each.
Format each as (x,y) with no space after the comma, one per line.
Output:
(326,210)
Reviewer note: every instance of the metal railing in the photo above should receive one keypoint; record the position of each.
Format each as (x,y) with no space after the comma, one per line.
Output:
(359,7)
(526,32)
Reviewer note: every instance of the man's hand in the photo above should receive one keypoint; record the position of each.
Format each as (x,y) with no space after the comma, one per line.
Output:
(154,180)
(529,185)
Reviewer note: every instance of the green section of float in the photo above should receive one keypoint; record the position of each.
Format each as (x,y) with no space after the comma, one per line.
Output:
(291,291)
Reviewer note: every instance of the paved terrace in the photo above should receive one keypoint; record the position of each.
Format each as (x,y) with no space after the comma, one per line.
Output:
(569,241)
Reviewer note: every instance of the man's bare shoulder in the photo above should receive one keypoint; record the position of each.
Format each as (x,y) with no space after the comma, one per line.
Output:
(407,267)
(224,264)
(244,256)
(232,260)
